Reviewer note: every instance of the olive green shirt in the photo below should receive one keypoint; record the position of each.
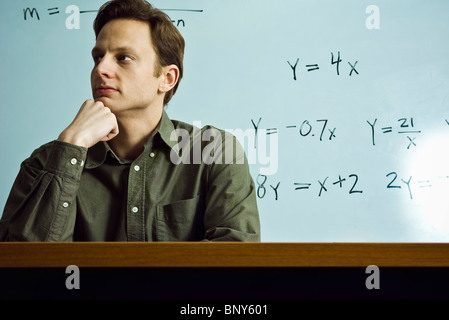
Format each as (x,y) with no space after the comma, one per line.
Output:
(187,185)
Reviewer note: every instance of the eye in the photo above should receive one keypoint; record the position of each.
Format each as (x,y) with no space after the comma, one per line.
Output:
(124,58)
(97,59)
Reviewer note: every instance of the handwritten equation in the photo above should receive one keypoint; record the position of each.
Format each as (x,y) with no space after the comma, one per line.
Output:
(72,21)
(304,129)
(324,129)
(334,61)
(404,126)
(351,184)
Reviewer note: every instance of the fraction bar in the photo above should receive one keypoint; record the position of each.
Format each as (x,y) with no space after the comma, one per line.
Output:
(186,10)
(419,131)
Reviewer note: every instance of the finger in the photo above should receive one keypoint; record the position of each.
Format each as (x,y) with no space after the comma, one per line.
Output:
(110,135)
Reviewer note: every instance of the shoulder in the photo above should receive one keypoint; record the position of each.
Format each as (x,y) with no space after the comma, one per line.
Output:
(196,126)
(204,135)
(211,144)
(174,130)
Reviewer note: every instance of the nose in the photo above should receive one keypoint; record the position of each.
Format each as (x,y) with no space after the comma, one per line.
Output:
(105,67)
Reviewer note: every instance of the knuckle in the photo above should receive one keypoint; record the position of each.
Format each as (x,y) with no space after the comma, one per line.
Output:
(98,104)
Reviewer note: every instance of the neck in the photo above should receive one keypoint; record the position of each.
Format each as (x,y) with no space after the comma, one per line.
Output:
(134,132)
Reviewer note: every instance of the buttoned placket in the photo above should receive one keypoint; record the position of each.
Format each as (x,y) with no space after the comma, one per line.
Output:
(136,200)
(136,204)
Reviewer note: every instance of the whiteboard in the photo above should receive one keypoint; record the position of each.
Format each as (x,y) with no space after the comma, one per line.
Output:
(343,105)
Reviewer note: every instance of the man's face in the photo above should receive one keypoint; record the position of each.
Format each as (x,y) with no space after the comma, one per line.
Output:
(123,74)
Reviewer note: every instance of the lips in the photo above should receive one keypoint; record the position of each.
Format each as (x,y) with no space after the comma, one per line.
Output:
(105,90)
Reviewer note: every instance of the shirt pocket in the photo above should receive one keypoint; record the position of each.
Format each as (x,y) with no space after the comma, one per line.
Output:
(180,221)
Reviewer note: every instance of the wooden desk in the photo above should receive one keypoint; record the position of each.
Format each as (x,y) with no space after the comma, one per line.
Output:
(224,271)
(228,254)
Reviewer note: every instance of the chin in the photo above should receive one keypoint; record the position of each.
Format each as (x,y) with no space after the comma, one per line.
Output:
(106,101)
(113,105)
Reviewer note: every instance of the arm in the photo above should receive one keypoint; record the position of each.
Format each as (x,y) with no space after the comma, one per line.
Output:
(231,212)
(42,202)
(41,205)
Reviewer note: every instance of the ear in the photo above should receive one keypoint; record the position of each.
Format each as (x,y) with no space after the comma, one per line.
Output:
(170,78)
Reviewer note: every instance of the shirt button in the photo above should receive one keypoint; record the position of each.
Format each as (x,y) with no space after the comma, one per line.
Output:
(73,161)
(65,204)
(136,167)
(152,154)
(135,209)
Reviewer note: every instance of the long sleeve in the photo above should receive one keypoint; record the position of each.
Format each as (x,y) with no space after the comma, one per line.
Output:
(231,205)
(42,203)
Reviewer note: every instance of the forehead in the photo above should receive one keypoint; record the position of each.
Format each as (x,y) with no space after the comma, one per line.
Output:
(125,33)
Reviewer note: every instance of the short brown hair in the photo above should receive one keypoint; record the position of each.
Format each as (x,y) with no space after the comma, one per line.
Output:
(167,41)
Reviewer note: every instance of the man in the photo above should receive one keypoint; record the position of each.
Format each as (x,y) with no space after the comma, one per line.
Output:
(119,171)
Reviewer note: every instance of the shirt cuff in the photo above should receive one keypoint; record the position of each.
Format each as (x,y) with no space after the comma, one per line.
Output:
(66,159)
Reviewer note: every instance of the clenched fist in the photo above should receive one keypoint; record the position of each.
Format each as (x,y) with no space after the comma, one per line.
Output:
(93,123)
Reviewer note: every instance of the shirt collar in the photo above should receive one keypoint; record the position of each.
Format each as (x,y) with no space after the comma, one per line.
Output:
(97,154)
(167,131)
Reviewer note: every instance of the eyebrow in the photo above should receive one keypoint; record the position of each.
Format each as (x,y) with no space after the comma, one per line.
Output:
(97,50)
